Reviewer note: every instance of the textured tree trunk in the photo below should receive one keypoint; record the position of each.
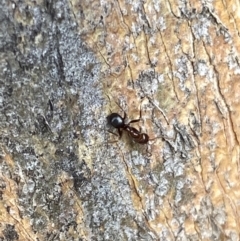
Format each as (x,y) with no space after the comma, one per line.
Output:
(65,66)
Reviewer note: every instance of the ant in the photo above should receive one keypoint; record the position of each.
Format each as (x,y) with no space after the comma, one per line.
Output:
(118,122)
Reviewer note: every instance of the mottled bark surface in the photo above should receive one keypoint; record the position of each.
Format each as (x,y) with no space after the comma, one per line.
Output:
(65,65)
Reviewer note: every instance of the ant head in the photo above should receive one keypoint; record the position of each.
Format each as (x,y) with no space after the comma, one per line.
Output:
(115,120)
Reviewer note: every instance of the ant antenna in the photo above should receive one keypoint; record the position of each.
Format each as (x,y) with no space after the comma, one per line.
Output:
(125,115)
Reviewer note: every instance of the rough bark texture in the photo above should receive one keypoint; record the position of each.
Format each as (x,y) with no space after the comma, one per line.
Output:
(64,65)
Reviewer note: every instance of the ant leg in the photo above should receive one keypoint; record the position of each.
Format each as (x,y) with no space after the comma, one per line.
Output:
(137,120)
(118,104)
(120,135)
(112,133)
(113,140)
(132,121)
(125,114)
(124,117)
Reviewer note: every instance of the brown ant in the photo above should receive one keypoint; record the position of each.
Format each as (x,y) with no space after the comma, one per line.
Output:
(118,122)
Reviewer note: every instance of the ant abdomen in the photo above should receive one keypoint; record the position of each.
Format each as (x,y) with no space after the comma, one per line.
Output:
(115,120)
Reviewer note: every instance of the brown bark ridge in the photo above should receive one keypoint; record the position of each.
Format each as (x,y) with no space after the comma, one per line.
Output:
(66,65)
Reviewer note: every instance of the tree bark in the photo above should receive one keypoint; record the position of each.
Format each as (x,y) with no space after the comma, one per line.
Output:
(65,66)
